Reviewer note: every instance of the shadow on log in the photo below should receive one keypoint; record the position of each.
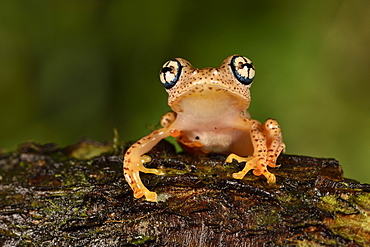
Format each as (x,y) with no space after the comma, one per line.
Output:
(47,197)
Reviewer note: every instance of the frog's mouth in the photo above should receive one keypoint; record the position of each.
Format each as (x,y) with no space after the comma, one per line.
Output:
(212,98)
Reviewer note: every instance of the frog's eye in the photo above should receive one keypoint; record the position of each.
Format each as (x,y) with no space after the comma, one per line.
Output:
(170,73)
(242,69)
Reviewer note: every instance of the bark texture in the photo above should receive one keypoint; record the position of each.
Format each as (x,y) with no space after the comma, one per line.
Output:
(64,197)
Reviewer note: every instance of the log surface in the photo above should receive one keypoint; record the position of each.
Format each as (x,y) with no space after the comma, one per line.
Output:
(53,196)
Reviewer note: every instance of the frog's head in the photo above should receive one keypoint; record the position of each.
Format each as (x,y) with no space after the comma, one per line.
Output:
(232,78)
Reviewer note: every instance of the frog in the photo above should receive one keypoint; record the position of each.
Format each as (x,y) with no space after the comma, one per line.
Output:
(209,115)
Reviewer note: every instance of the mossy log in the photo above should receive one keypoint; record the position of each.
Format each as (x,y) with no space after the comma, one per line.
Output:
(52,196)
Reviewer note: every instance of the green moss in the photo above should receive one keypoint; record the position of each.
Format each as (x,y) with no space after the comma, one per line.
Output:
(350,221)
(77,178)
(141,239)
(334,203)
(263,219)
(9,233)
(363,200)
(87,149)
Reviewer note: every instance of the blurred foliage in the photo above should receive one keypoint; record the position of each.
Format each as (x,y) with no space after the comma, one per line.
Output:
(80,68)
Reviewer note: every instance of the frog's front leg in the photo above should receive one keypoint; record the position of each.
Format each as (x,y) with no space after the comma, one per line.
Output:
(267,145)
(135,159)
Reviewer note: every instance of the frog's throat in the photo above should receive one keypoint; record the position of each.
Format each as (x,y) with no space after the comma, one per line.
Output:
(210,99)
(241,93)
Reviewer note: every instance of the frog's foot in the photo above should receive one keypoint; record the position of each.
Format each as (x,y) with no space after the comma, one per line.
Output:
(138,187)
(149,195)
(252,163)
(142,168)
(132,171)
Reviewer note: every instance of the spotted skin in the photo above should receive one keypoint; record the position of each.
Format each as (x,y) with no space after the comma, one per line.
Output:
(209,116)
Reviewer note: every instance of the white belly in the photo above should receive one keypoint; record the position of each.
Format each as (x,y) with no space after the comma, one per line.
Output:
(212,120)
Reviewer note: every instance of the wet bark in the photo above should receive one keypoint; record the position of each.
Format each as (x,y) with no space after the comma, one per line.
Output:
(63,196)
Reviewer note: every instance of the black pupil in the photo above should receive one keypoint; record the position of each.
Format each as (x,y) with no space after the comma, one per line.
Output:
(248,65)
(166,69)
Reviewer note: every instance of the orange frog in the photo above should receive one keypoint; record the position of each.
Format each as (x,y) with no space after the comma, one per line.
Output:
(209,116)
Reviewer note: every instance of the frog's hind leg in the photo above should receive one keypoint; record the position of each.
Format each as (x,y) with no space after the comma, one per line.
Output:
(267,141)
(257,161)
(274,139)
(135,159)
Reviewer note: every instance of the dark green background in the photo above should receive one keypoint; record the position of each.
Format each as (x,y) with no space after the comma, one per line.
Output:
(79,68)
